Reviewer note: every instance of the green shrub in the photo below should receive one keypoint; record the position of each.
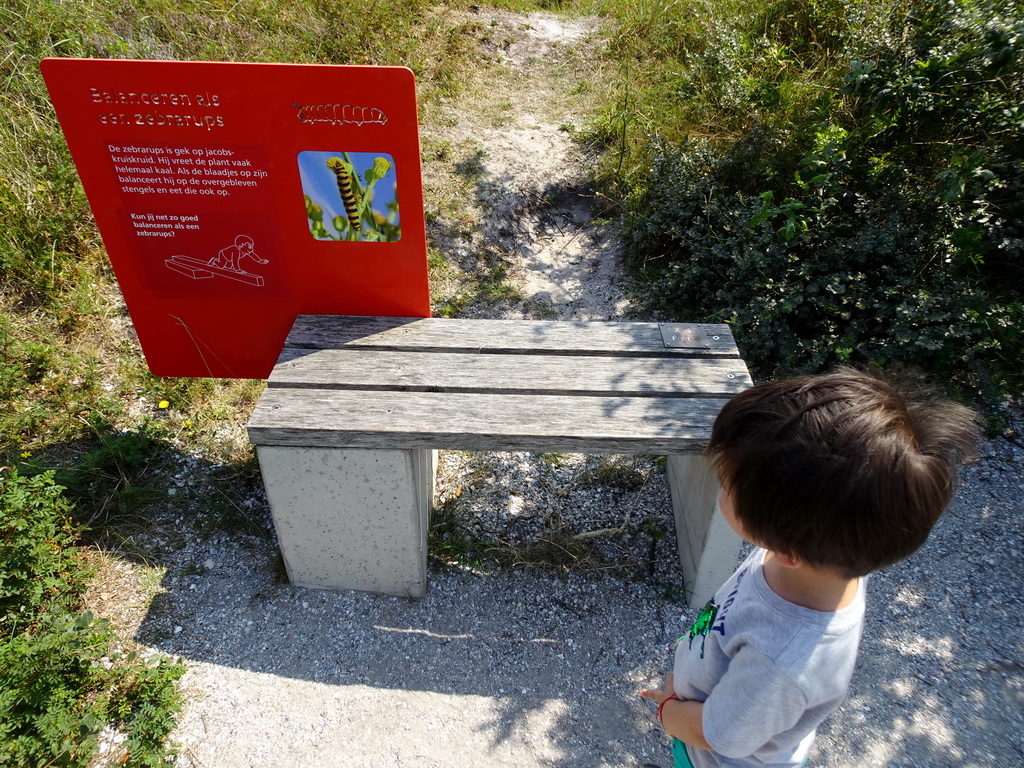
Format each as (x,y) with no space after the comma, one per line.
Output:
(63,682)
(40,571)
(946,117)
(43,675)
(883,225)
(61,678)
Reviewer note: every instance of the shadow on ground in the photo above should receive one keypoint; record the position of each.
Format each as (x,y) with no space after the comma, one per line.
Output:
(518,668)
(522,666)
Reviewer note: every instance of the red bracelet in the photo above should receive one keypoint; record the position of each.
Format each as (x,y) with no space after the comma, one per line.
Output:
(662,706)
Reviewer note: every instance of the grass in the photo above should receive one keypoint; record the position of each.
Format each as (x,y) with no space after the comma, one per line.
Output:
(624,473)
(69,368)
(478,279)
(711,69)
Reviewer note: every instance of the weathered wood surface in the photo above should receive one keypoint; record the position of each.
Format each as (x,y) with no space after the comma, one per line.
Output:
(401,383)
(411,386)
(405,420)
(509,373)
(500,336)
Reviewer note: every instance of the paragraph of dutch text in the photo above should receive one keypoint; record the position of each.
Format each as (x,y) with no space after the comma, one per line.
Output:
(190,171)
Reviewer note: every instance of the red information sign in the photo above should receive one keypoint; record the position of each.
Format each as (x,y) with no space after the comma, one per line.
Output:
(232,197)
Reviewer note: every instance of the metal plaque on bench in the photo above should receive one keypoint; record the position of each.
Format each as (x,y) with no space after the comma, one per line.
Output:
(685,336)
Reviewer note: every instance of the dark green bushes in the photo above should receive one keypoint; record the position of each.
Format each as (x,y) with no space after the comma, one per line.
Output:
(62,679)
(809,281)
(40,567)
(883,224)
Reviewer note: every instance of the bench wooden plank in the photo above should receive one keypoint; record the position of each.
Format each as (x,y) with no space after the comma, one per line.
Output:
(410,420)
(497,373)
(501,336)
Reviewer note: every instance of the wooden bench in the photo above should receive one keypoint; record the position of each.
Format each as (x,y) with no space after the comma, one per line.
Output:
(356,408)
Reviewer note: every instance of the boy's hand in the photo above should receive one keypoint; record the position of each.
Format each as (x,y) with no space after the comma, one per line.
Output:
(659,694)
(682,719)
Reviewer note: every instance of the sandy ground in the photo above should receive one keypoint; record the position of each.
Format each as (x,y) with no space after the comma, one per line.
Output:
(530,202)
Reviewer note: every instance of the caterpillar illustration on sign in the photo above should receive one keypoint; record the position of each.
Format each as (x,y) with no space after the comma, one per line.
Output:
(350,196)
(340,114)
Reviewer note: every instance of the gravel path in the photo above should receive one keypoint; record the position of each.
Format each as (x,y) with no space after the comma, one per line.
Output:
(511,667)
(517,667)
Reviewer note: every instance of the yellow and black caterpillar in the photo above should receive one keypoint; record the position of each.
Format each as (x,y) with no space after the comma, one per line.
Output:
(349,194)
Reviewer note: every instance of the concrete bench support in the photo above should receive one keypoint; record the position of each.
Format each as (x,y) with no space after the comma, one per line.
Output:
(351,518)
(707,545)
(347,430)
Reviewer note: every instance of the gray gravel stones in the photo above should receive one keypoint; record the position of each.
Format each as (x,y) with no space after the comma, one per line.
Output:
(510,666)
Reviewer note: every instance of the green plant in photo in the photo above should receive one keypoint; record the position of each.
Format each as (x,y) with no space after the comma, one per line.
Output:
(361,221)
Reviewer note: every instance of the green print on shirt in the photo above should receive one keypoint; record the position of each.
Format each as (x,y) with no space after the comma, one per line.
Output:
(702,624)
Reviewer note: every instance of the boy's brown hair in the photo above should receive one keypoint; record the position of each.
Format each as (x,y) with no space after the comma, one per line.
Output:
(848,470)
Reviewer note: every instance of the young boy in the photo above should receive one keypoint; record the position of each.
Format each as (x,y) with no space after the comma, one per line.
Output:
(830,477)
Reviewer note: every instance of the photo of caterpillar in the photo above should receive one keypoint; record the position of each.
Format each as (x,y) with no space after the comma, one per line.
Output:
(350,196)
